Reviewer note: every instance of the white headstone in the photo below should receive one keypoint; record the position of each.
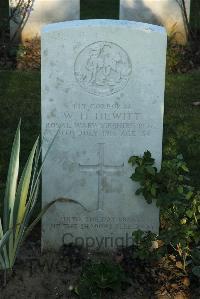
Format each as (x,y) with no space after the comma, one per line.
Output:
(161,12)
(40,13)
(103,86)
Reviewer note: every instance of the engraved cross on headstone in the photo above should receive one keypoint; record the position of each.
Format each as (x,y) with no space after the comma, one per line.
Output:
(101,169)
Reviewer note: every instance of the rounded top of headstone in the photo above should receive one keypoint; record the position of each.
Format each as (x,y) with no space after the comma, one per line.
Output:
(103,23)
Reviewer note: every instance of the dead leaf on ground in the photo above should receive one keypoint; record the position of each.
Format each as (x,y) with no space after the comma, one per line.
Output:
(181,295)
(196,103)
(179,265)
(185,280)
(174,286)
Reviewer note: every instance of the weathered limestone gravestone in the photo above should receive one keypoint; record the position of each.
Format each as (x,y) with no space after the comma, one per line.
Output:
(43,12)
(103,88)
(160,12)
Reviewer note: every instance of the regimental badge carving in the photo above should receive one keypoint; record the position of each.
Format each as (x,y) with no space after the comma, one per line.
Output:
(102,68)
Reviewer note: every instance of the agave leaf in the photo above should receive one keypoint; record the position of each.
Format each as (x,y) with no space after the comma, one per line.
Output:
(20,201)
(28,214)
(23,189)
(4,239)
(25,231)
(10,191)
(31,204)
(18,216)
(44,210)
(36,181)
(3,250)
(37,172)
(4,261)
(11,183)
(1,230)
(35,169)
(33,194)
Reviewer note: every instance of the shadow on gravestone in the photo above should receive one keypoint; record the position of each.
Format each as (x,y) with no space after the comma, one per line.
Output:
(34,14)
(140,12)
(165,13)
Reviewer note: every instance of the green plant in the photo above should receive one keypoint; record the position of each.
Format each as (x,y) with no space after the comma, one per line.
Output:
(175,58)
(145,244)
(96,278)
(183,58)
(179,202)
(19,202)
(28,55)
(196,262)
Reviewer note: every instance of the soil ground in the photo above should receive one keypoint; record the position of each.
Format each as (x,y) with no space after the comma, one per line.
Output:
(51,275)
